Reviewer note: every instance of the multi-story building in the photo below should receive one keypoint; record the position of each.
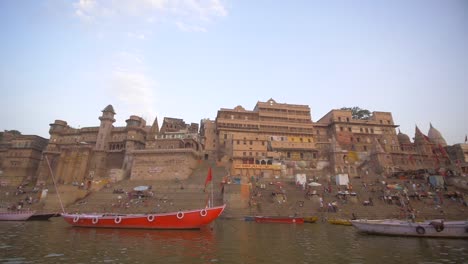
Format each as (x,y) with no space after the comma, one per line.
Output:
(288,142)
(19,157)
(272,140)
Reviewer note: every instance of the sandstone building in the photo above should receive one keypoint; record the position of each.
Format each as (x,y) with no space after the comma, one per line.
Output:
(274,140)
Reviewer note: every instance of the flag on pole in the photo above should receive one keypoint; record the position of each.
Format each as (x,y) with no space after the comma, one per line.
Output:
(466,138)
(209,177)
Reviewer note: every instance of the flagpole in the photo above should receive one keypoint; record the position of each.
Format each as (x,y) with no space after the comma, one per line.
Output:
(211,193)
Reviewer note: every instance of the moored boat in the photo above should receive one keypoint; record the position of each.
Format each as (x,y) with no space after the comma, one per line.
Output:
(338,221)
(279,219)
(429,228)
(42,216)
(310,219)
(15,215)
(190,219)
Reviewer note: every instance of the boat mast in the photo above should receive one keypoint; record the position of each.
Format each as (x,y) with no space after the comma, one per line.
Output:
(55,186)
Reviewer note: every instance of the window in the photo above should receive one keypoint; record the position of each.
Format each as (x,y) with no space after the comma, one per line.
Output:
(349,129)
(365,148)
(250,142)
(341,128)
(347,119)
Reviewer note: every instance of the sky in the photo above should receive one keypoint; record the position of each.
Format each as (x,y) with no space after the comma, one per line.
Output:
(69,59)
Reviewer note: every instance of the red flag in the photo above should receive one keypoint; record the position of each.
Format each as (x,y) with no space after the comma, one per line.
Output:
(209,177)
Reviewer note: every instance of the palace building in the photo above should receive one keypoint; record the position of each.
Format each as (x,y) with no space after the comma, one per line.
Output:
(274,140)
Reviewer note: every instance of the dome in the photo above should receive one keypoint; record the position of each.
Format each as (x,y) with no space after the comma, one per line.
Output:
(435,136)
(403,138)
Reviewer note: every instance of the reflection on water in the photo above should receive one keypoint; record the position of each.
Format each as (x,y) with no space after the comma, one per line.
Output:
(228,241)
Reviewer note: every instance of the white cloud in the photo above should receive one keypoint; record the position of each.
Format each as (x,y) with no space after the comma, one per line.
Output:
(131,85)
(192,14)
(189,28)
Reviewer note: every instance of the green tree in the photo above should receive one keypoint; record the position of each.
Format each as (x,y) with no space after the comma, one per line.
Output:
(358,113)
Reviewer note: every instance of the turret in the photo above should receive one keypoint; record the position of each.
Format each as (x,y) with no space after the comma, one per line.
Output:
(107,119)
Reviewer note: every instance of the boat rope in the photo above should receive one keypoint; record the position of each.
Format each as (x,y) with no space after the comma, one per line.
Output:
(55,185)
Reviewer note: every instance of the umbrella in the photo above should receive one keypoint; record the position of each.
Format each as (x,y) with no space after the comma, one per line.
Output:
(141,188)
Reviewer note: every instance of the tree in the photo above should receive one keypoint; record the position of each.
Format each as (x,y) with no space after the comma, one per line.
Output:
(358,113)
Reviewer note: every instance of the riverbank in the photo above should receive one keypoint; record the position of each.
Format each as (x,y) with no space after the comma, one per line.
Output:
(363,198)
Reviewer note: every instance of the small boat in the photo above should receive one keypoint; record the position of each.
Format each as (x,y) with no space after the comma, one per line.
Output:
(42,216)
(249,218)
(338,221)
(15,215)
(429,228)
(190,219)
(279,219)
(310,219)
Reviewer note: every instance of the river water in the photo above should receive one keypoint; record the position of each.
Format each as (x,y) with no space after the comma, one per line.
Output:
(226,241)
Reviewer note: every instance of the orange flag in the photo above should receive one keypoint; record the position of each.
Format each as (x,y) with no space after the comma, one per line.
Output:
(209,177)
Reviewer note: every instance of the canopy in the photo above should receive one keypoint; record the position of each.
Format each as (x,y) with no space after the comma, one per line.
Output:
(315,184)
(436,180)
(342,179)
(141,188)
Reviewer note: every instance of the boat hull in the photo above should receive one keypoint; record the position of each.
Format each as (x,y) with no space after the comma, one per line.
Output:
(15,216)
(344,222)
(451,229)
(310,219)
(42,216)
(193,219)
(286,220)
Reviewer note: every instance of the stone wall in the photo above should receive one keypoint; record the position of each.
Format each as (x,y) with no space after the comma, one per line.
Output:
(163,164)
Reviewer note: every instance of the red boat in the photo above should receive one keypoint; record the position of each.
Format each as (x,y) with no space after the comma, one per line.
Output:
(279,219)
(191,219)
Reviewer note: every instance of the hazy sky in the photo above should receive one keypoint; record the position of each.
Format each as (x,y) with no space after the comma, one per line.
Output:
(68,60)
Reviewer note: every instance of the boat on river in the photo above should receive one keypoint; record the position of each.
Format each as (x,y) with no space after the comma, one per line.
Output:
(189,219)
(339,221)
(279,219)
(42,216)
(429,228)
(15,215)
(310,219)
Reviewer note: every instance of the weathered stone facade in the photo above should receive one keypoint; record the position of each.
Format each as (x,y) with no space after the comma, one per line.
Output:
(281,140)
(19,157)
(272,140)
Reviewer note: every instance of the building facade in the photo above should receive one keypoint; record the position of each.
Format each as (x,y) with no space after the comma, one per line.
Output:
(274,140)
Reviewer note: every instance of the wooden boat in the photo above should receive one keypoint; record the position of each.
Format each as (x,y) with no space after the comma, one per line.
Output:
(190,219)
(15,215)
(279,219)
(430,228)
(42,216)
(338,221)
(310,219)
(249,218)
